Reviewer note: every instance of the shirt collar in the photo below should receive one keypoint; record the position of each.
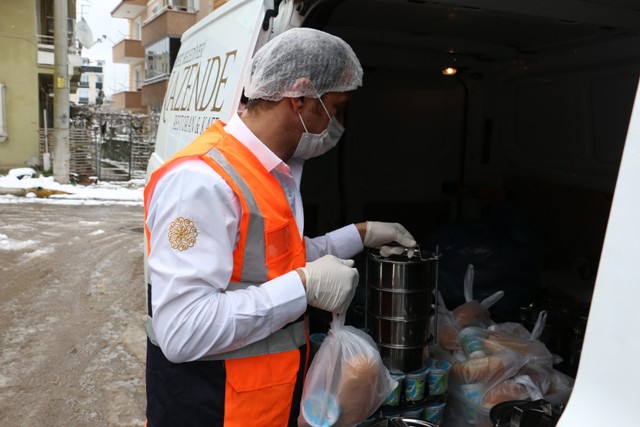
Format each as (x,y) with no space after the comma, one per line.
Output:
(238,129)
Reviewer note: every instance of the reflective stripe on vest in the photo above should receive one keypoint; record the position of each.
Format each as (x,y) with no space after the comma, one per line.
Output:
(285,339)
(254,255)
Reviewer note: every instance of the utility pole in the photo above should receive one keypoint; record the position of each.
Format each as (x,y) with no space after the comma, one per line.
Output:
(61,92)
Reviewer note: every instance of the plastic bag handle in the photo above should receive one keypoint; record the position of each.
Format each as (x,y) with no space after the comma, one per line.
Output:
(492,299)
(442,308)
(468,283)
(537,329)
(337,321)
(534,391)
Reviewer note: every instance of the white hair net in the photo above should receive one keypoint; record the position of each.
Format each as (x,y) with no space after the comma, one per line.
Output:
(302,62)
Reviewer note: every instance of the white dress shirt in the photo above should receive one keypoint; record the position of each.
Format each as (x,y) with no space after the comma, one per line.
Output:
(193,315)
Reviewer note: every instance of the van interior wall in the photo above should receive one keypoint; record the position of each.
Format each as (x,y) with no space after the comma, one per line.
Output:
(561,134)
(543,138)
(403,139)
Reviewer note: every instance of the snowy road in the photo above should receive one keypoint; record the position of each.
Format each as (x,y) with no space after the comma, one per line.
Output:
(72,315)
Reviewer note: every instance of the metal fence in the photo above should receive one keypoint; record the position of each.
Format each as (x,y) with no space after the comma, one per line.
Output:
(107,146)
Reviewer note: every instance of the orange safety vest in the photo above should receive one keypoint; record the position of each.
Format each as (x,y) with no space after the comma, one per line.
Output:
(258,388)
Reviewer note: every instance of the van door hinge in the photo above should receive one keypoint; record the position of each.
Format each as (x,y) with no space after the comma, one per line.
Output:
(270,13)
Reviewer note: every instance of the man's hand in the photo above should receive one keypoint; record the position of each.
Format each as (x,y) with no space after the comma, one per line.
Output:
(379,234)
(330,283)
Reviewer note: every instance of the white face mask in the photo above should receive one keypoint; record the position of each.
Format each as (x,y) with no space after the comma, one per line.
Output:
(316,144)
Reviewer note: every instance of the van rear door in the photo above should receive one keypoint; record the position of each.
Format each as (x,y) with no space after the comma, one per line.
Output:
(206,80)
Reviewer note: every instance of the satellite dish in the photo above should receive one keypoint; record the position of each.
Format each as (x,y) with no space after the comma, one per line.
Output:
(84,34)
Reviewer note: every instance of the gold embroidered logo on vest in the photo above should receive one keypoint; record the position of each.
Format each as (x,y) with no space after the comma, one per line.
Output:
(182,234)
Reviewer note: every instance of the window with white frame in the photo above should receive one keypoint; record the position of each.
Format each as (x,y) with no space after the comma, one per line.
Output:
(83,96)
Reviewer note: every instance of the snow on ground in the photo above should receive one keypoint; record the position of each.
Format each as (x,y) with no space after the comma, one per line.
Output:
(127,192)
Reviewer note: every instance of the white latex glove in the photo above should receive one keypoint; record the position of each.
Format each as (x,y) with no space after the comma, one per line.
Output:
(331,283)
(380,233)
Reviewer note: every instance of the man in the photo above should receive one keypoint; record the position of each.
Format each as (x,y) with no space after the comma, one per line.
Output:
(230,272)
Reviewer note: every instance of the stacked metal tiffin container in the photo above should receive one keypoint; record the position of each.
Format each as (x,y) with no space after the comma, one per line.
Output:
(400,315)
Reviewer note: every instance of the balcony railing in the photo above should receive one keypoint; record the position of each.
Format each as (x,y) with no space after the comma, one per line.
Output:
(49,30)
(46,50)
(165,5)
(46,44)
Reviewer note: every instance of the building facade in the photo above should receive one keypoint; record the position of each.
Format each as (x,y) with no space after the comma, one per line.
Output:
(155,28)
(90,85)
(26,76)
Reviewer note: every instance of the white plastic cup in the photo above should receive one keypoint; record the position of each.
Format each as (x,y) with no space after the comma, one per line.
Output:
(438,376)
(414,413)
(473,393)
(469,340)
(414,387)
(395,396)
(320,409)
(434,412)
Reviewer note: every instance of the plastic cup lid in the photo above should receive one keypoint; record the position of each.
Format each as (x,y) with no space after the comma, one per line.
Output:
(439,365)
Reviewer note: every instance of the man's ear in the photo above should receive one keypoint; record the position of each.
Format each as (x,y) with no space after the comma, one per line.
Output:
(296,103)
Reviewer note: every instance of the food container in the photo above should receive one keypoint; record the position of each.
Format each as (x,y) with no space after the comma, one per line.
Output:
(320,409)
(469,340)
(414,386)
(396,395)
(434,411)
(471,402)
(438,376)
(415,413)
(399,310)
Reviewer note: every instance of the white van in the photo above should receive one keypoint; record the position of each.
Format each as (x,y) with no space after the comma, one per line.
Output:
(468,104)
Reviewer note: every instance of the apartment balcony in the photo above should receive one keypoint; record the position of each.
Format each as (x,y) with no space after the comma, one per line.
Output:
(129,9)
(127,100)
(46,55)
(167,22)
(128,51)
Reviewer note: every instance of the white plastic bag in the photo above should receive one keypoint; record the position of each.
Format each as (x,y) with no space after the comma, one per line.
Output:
(346,382)
(473,312)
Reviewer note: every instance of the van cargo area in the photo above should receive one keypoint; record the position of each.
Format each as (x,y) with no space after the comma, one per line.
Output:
(509,164)
(503,135)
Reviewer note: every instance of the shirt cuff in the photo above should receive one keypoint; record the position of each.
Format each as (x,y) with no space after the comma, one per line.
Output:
(346,241)
(288,297)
